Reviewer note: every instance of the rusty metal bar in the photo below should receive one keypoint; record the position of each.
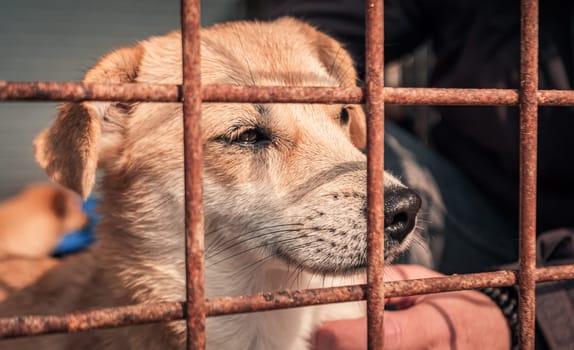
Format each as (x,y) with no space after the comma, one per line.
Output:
(282,94)
(19,326)
(375,108)
(555,97)
(193,169)
(437,96)
(528,103)
(284,299)
(74,91)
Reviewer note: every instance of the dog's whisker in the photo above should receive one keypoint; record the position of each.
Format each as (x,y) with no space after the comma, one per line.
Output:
(299,275)
(255,223)
(332,68)
(234,242)
(264,245)
(260,223)
(251,268)
(299,269)
(246,58)
(422,242)
(292,277)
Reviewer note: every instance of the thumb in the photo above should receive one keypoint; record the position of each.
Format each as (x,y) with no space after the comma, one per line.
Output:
(341,335)
(417,327)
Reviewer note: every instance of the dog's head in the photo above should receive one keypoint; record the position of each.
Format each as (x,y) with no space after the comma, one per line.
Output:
(280,180)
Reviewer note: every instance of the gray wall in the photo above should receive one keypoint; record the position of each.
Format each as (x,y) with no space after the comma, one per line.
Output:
(58,40)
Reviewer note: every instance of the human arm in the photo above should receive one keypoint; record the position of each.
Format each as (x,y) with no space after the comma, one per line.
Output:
(456,320)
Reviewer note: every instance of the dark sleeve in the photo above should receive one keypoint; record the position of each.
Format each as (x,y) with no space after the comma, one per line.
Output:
(555,300)
(345,21)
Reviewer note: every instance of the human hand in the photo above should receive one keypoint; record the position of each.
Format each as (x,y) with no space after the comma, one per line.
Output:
(453,320)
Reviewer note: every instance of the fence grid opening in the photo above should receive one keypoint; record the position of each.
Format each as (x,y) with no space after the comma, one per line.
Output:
(191,93)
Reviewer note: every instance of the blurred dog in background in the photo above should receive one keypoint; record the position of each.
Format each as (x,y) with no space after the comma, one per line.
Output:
(33,222)
(31,225)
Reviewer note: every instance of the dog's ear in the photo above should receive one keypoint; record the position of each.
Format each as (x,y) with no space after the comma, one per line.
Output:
(358,126)
(340,65)
(69,150)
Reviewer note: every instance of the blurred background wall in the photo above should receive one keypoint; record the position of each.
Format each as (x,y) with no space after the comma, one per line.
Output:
(59,40)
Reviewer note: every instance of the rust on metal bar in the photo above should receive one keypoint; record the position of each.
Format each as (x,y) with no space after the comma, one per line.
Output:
(19,326)
(282,94)
(437,96)
(554,273)
(375,103)
(556,97)
(284,299)
(75,91)
(129,92)
(528,104)
(193,169)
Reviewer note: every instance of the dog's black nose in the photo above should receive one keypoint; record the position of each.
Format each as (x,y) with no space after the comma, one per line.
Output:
(401,208)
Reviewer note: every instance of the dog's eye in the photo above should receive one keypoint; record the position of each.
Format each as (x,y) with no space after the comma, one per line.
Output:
(344,116)
(251,137)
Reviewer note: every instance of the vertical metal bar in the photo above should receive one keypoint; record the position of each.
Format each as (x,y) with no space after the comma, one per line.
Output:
(375,191)
(193,168)
(528,157)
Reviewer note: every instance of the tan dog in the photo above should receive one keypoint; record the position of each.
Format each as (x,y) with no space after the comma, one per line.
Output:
(33,221)
(31,225)
(284,191)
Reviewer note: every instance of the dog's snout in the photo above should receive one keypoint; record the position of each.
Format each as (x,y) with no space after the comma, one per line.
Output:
(401,208)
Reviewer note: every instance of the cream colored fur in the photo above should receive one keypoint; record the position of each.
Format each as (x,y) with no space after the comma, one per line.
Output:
(278,214)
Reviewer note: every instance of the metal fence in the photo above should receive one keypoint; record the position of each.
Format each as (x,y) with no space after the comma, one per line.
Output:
(195,309)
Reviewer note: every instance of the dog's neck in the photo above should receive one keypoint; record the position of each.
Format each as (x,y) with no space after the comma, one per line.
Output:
(286,329)
(143,241)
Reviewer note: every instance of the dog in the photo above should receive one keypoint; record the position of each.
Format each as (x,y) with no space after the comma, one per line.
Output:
(31,225)
(33,221)
(284,192)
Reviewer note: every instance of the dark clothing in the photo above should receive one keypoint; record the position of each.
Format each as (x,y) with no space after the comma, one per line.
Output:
(477,45)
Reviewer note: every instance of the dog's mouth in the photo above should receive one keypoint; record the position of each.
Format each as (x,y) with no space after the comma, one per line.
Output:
(333,265)
(324,268)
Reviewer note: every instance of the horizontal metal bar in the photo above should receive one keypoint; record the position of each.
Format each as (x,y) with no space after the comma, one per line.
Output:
(74,91)
(435,96)
(282,94)
(284,299)
(555,97)
(19,326)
